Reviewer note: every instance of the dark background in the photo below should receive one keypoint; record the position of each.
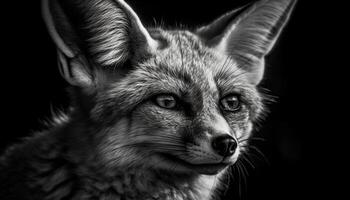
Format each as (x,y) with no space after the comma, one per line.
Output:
(296,145)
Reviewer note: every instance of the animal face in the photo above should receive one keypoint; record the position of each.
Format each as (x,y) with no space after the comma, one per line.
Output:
(178,100)
(177,104)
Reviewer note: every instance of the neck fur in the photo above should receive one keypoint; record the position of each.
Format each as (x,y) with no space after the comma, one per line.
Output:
(137,183)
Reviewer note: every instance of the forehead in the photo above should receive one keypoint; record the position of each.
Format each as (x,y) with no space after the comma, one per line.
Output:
(185,52)
(186,57)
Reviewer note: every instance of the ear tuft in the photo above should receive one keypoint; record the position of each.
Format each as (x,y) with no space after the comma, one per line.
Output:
(74,71)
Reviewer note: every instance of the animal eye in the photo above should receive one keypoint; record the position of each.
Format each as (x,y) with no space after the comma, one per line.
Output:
(230,103)
(166,101)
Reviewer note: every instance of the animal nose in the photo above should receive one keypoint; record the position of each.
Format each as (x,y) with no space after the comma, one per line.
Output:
(224,145)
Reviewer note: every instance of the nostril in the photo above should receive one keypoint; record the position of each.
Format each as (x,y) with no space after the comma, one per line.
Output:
(232,146)
(224,145)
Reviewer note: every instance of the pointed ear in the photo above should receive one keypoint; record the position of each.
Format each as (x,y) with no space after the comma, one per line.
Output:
(249,33)
(92,35)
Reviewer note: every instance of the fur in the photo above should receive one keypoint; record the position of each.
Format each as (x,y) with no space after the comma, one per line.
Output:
(117,141)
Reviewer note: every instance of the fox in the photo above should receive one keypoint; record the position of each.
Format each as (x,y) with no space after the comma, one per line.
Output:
(155,113)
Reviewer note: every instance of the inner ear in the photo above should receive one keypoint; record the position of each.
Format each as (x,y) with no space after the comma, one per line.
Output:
(248,34)
(93,34)
(212,32)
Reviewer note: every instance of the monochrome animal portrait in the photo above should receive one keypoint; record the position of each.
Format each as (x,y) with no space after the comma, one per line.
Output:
(155,113)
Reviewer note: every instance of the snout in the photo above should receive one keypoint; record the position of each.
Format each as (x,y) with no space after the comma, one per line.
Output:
(207,155)
(224,145)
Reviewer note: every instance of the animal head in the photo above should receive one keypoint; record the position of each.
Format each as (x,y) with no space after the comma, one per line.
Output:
(178,100)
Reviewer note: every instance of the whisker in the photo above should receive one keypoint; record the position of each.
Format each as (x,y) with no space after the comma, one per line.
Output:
(243,178)
(260,153)
(252,139)
(228,180)
(239,181)
(245,158)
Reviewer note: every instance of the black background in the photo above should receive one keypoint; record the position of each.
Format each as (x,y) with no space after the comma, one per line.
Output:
(296,145)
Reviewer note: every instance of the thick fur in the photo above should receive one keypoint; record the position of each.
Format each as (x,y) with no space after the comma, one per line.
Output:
(115,142)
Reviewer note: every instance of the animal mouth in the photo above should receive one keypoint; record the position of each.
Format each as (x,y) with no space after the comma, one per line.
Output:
(207,169)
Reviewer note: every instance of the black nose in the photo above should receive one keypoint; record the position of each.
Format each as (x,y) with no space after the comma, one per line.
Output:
(224,145)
